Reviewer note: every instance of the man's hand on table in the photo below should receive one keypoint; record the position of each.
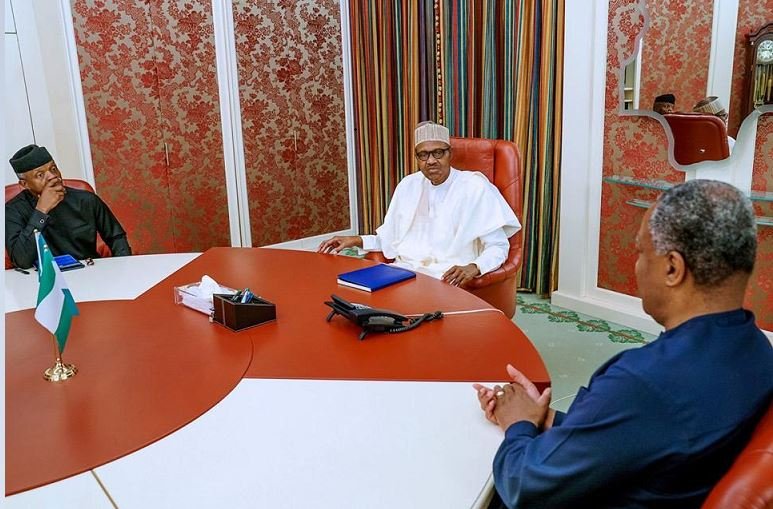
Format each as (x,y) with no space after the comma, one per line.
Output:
(339,242)
(461,275)
(517,401)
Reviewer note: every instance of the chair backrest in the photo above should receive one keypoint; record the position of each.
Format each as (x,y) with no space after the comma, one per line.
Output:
(749,482)
(500,162)
(698,137)
(12,190)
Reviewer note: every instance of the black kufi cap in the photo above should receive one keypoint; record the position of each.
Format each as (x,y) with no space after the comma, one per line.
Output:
(29,158)
(666,98)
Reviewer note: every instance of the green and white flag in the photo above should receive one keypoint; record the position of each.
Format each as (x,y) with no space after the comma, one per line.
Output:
(56,306)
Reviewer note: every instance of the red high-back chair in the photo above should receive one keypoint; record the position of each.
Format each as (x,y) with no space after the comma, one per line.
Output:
(500,162)
(698,137)
(12,190)
(749,482)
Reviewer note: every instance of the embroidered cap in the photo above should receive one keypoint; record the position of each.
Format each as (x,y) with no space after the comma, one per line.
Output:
(430,131)
(709,105)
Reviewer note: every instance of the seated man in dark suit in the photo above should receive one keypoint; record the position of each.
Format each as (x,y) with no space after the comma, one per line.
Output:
(659,425)
(68,218)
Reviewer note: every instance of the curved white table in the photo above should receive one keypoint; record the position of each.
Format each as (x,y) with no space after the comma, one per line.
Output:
(118,278)
(284,443)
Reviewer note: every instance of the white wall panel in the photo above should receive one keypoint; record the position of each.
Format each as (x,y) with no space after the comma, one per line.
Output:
(16,112)
(9,24)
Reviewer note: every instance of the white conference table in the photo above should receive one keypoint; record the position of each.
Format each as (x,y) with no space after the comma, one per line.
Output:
(283,443)
(117,278)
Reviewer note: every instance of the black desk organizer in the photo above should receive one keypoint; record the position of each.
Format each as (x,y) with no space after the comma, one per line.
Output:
(238,316)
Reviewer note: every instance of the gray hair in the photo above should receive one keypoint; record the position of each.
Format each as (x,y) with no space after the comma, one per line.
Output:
(711,224)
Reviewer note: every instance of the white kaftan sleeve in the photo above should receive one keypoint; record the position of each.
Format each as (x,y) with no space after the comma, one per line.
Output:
(370,243)
(494,251)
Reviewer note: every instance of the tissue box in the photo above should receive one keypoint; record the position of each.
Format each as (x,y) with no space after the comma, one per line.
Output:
(237,316)
(188,296)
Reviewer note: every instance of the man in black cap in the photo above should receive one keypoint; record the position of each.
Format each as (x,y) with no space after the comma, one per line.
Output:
(68,218)
(664,104)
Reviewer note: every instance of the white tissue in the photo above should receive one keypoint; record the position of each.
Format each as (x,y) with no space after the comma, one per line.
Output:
(208,286)
(198,296)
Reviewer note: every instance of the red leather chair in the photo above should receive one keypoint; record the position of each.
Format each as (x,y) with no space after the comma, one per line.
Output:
(749,482)
(12,190)
(698,137)
(500,162)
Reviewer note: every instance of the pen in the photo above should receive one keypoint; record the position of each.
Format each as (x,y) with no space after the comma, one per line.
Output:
(247,296)
(17,269)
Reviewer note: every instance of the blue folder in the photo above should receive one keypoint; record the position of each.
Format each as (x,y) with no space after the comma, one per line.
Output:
(374,278)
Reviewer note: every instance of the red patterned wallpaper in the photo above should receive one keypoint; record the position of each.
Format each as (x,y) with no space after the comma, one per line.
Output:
(291,94)
(149,78)
(679,68)
(760,295)
(635,148)
(752,15)
(115,52)
(762,178)
(190,111)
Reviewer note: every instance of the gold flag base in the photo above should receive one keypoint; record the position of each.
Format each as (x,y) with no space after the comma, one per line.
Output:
(59,372)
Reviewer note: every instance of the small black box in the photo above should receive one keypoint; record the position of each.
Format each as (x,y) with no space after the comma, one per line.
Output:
(238,316)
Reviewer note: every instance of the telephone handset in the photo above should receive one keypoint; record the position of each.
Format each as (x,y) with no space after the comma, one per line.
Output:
(376,320)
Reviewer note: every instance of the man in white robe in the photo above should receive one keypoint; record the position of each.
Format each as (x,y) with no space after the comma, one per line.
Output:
(713,106)
(446,223)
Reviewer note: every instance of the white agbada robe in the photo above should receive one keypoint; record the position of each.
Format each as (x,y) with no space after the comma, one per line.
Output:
(430,228)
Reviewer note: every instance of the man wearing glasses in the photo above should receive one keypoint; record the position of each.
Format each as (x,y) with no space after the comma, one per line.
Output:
(446,223)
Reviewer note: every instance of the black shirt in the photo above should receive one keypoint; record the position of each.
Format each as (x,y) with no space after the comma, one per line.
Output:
(69,228)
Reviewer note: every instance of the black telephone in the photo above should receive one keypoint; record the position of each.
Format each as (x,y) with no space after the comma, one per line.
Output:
(376,320)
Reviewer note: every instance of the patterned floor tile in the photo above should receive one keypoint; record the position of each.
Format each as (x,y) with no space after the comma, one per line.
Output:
(572,345)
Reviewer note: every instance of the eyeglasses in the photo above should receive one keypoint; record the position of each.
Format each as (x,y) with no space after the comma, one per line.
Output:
(437,154)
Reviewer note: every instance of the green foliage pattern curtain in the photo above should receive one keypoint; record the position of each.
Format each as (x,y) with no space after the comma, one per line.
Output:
(484,68)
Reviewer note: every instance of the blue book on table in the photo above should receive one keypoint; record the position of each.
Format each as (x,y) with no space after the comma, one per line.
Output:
(374,278)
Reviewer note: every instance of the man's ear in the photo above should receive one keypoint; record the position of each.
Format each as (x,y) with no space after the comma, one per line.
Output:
(23,184)
(676,269)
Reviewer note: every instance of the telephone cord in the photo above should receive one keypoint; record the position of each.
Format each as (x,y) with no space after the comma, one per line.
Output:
(469,311)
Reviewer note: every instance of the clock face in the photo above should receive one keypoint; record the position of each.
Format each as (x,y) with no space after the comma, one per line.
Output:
(765,52)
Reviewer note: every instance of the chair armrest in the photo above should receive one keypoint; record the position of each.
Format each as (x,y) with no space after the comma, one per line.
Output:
(102,248)
(507,270)
(378,256)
